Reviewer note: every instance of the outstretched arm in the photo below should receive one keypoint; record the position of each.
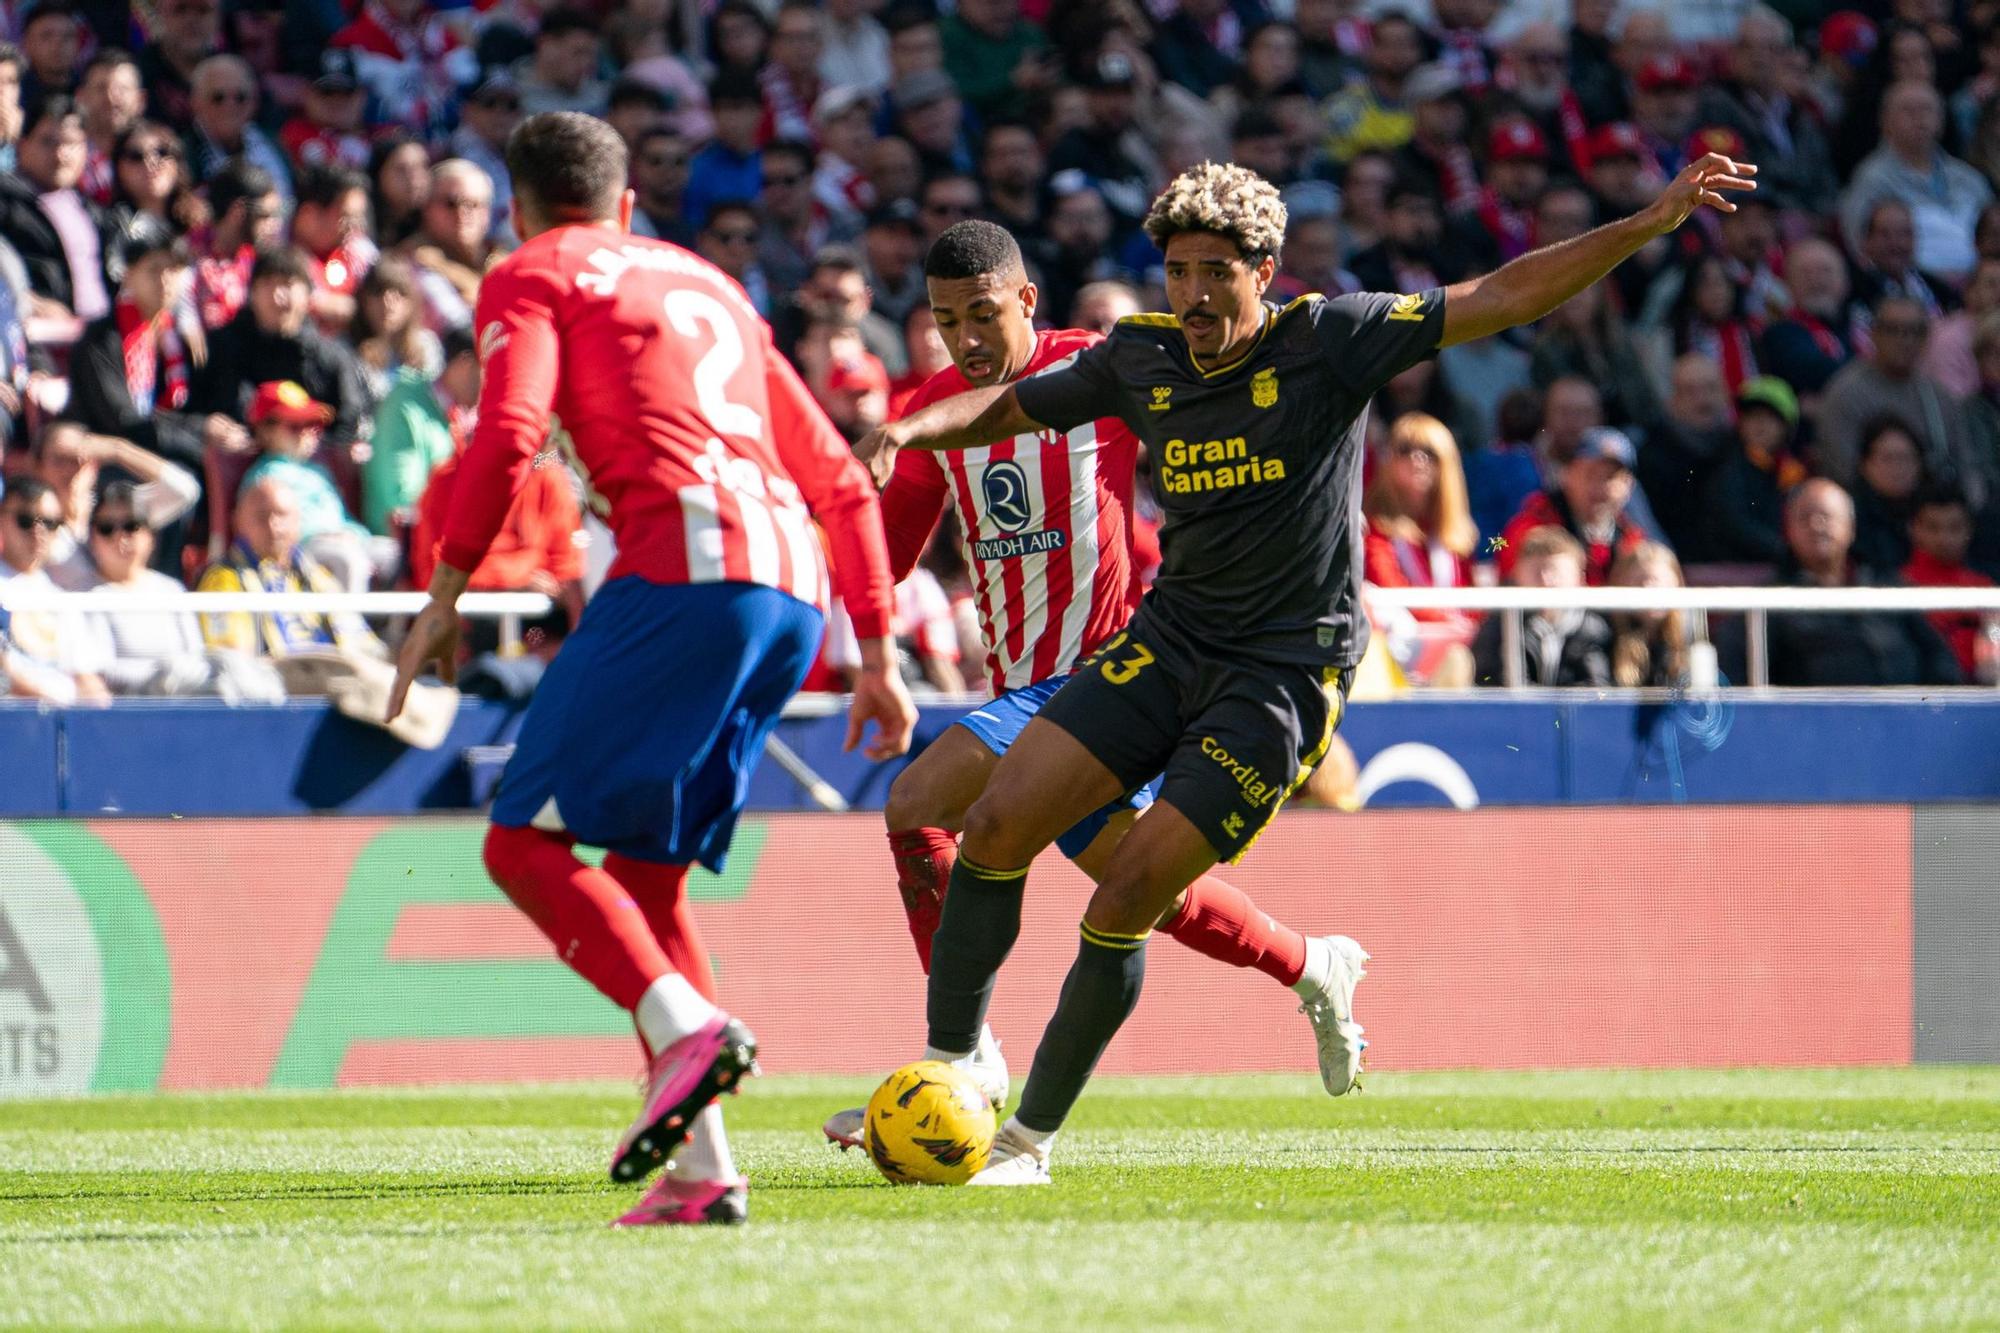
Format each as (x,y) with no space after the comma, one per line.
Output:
(975,417)
(1536,283)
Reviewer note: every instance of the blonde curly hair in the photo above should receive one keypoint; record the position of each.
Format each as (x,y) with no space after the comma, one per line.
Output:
(1224,200)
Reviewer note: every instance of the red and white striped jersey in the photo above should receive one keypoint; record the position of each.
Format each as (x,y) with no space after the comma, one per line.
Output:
(695,441)
(1045,524)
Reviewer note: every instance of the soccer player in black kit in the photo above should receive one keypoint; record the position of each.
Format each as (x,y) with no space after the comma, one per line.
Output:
(1229,678)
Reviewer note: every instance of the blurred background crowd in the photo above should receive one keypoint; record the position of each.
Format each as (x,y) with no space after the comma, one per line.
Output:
(240,243)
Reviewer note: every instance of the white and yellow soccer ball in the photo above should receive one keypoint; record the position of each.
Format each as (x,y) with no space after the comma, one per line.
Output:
(929,1124)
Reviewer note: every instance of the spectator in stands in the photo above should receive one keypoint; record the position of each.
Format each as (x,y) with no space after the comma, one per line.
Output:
(154,652)
(996,57)
(1940,535)
(1100,305)
(1743,515)
(48,655)
(225,116)
(247,214)
(1944,194)
(1372,112)
(61,236)
(153,197)
(1589,501)
(1711,319)
(836,293)
(891,247)
(1886,485)
(795,227)
(790,77)
(411,60)
(730,167)
(1106,148)
(453,250)
(399,172)
(1982,407)
(1887,264)
(739,37)
(634,106)
(1948,357)
(488,115)
(131,373)
(894,171)
(51,38)
(562,73)
(1777,126)
(660,181)
(1011,168)
(272,340)
(72,461)
(1421,535)
(1649,649)
(1501,476)
(925,353)
(1074,256)
(846,379)
(330,129)
(1813,340)
(1839,648)
(1558,647)
(1684,450)
(287,423)
(111,97)
(189,31)
(856,53)
(1888,382)
(728,240)
(1586,337)
(930,115)
(390,338)
(330,227)
(267,557)
(422,422)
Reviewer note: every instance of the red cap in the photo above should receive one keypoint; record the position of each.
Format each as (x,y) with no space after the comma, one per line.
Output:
(1848,36)
(1665,72)
(1716,139)
(1517,140)
(286,401)
(863,374)
(1618,139)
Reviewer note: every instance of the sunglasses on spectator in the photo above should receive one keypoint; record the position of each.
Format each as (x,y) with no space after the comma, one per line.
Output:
(29,522)
(112,527)
(237,96)
(151,153)
(786,181)
(735,237)
(461,204)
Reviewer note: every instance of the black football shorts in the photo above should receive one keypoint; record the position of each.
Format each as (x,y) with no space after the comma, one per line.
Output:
(1231,738)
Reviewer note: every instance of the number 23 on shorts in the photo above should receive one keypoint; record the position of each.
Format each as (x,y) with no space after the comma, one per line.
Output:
(1121,672)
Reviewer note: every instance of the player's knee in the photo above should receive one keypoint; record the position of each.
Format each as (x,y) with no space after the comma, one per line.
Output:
(992,835)
(1127,901)
(914,803)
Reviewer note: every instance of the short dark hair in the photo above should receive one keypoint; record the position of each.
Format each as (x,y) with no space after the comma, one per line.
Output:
(119,495)
(997,126)
(567,165)
(647,136)
(972,250)
(280,261)
(564,21)
(1256,124)
(107,57)
(837,259)
(721,206)
(143,245)
(801,153)
(946,177)
(48,9)
(458,341)
(735,87)
(49,106)
(1939,495)
(628,91)
(322,184)
(238,179)
(28,490)
(903,17)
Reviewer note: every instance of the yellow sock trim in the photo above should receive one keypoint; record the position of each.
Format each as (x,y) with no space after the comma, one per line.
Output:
(978,871)
(1107,940)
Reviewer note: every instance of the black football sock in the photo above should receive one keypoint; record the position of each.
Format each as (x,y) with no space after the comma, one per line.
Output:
(981,920)
(1097,997)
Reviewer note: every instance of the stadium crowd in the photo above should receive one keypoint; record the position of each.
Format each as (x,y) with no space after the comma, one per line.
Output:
(240,243)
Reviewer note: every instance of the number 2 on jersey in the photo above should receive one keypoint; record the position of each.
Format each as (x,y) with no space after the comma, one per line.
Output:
(687,310)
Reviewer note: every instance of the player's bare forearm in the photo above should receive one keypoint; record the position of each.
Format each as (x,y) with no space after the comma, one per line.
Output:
(448,583)
(975,417)
(1530,287)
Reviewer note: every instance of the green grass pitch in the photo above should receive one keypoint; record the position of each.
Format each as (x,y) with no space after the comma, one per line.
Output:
(1810,1199)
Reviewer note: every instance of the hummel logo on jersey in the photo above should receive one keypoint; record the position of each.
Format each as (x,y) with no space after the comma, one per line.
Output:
(1161,393)
(1407,308)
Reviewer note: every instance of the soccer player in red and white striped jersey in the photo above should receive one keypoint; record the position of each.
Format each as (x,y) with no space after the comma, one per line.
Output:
(702,450)
(1046,533)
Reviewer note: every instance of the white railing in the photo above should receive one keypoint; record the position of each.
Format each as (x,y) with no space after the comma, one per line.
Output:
(1756,605)
(506,607)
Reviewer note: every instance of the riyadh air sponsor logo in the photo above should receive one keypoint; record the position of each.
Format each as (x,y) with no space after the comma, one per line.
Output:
(1004,499)
(51,977)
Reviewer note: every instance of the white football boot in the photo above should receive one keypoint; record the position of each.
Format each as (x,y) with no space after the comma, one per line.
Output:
(1333,969)
(1016,1160)
(987,1066)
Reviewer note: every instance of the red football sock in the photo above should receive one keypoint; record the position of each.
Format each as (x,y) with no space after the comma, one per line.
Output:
(924,858)
(590,918)
(661,892)
(1219,919)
